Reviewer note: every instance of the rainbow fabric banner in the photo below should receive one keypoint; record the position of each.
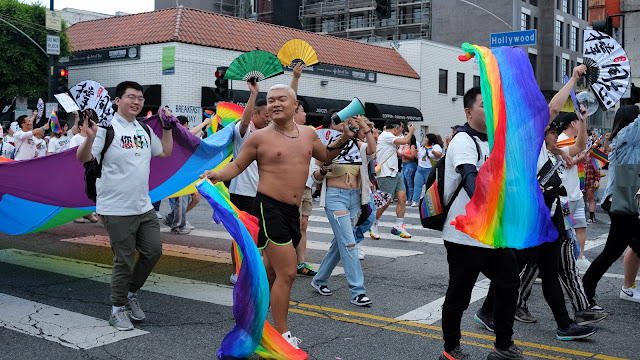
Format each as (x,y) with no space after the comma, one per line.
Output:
(516,116)
(599,155)
(252,333)
(581,175)
(54,123)
(26,206)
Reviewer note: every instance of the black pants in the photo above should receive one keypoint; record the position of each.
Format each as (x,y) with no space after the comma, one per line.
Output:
(547,259)
(465,264)
(625,231)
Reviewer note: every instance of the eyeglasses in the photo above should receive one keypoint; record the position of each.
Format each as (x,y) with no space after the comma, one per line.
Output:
(132,97)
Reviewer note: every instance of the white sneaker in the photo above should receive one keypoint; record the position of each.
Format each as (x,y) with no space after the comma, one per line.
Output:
(294,341)
(414,204)
(360,252)
(188,225)
(374,231)
(583,264)
(630,294)
(233,278)
(400,231)
(159,215)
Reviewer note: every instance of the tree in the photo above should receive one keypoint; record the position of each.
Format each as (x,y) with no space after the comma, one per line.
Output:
(24,69)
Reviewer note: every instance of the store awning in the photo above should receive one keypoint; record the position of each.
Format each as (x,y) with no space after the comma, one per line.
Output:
(376,111)
(320,106)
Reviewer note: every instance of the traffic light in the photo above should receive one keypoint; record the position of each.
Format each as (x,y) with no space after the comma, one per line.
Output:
(61,76)
(383,9)
(605,26)
(222,84)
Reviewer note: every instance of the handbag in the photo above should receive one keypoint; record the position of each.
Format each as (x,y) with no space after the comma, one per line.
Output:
(623,198)
(379,166)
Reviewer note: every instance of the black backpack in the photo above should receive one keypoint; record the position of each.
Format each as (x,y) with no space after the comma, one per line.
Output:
(93,168)
(433,210)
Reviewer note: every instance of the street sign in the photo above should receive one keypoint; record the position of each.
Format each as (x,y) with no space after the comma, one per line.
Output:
(53,45)
(514,38)
(53,20)
(50,107)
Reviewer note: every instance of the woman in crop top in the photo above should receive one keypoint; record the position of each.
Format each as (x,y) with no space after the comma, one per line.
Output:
(345,189)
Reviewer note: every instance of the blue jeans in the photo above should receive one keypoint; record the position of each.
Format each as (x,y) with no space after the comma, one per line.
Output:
(408,173)
(422,174)
(360,230)
(339,200)
(177,218)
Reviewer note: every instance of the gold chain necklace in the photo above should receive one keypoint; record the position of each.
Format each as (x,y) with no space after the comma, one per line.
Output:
(289,136)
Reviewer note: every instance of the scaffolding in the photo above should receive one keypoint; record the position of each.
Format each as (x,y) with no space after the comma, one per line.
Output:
(356,19)
(238,8)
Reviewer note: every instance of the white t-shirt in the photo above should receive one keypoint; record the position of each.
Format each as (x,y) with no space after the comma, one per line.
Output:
(569,177)
(123,188)
(77,140)
(426,163)
(386,154)
(58,144)
(246,183)
(41,147)
(6,149)
(9,140)
(310,178)
(462,150)
(25,145)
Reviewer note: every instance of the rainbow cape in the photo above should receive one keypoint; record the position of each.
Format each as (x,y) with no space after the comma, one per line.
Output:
(252,333)
(516,116)
(54,123)
(27,206)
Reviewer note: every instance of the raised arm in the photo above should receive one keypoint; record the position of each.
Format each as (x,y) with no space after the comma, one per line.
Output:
(84,150)
(326,153)
(581,140)
(559,99)
(247,114)
(406,140)
(297,72)
(247,155)
(198,128)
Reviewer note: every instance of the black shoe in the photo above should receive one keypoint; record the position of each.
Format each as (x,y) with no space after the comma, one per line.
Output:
(455,354)
(575,332)
(510,353)
(361,300)
(590,316)
(485,320)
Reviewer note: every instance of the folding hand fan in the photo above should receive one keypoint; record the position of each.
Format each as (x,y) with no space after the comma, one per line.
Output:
(297,50)
(40,108)
(228,112)
(255,65)
(608,69)
(90,94)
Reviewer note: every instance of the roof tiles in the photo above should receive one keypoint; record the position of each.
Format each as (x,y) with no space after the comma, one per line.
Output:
(214,30)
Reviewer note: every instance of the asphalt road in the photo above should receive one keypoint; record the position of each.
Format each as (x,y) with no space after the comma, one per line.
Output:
(54,300)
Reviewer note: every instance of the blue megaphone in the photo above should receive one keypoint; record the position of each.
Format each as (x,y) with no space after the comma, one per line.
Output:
(353,109)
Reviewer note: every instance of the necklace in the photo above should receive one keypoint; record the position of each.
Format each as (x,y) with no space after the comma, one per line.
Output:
(289,136)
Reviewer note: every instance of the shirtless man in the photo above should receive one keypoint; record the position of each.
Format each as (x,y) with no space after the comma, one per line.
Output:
(283,152)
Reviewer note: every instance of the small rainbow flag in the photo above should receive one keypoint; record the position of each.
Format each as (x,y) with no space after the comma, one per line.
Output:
(568,218)
(54,123)
(581,175)
(595,163)
(600,156)
(431,204)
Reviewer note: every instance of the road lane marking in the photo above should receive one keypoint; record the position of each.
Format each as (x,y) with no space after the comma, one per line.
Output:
(64,327)
(383,236)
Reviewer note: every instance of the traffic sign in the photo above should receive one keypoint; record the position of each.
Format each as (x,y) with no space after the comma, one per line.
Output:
(514,38)
(53,20)
(53,45)
(50,107)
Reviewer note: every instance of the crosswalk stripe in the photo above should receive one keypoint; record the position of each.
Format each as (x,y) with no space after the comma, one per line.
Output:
(158,283)
(64,327)
(202,254)
(323,219)
(383,236)
(390,213)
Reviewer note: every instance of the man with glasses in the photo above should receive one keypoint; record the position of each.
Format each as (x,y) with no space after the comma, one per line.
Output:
(123,197)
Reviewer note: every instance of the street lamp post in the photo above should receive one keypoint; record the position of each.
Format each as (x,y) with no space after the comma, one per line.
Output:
(51,63)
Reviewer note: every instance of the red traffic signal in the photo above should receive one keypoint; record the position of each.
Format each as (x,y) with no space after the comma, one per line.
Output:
(219,74)
(64,72)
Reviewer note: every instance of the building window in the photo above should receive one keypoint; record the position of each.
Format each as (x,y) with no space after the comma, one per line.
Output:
(574,38)
(559,26)
(417,15)
(579,10)
(558,69)
(356,21)
(401,16)
(535,22)
(476,81)
(565,68)
(460,84)
(328,25)
(442,82)
(565,6)
(525,20)
(533,2)
(533,58)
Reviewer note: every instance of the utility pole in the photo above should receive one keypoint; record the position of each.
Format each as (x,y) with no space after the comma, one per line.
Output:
(51,64)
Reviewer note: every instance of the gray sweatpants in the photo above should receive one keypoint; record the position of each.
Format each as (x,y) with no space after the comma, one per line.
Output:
(128,234)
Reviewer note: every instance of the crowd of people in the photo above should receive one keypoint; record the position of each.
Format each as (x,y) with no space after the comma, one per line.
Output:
(391,165)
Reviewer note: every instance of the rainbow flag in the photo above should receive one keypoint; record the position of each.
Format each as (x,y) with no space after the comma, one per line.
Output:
(54,123)
(252,333)
(507,208)
(599,155)
(568,218)
(431,204)
(226,113)
(581,175)
(595,163)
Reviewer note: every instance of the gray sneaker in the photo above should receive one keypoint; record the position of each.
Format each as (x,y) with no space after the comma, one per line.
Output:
(511,353)
(120,320)
(523,315)
(134,310)
(590,316)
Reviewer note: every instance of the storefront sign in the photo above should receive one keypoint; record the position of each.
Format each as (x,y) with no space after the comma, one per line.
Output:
(103,55)
(192,112)
(340,72)
(168,60)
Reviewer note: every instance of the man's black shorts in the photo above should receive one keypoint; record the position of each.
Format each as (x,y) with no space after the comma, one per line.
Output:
(279,222)
(242,202)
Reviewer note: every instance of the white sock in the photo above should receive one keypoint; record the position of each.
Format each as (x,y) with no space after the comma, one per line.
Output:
(131,294)
(114,309)
(399,221)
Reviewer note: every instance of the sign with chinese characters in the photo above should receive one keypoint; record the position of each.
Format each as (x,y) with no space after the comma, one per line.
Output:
(340,72)
(608,68)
